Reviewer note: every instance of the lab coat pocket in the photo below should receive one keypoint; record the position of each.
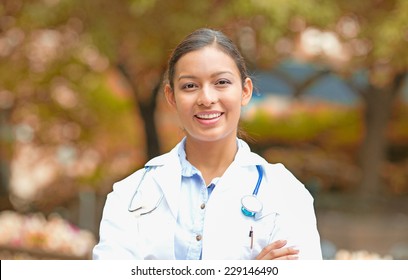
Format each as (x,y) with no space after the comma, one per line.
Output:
(259,231)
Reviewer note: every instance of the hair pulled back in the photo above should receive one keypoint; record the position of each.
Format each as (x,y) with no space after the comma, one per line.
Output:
(199,39)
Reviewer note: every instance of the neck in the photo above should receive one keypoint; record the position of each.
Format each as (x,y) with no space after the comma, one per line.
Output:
(211,158)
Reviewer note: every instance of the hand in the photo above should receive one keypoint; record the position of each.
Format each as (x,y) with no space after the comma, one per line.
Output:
(276,251)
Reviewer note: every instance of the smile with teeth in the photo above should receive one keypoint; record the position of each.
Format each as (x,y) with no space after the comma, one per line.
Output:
(208,116)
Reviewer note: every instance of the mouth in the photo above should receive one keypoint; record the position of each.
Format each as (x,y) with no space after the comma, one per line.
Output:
(208,116)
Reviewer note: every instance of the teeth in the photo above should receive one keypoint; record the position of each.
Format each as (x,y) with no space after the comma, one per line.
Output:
(209,116)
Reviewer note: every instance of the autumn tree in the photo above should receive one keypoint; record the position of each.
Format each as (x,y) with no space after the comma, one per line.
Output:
(55,105)
(364,42)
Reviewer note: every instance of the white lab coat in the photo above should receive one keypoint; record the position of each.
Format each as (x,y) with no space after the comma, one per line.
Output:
(287,213)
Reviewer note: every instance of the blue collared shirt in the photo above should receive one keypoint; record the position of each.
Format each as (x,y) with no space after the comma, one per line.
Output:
(190,220)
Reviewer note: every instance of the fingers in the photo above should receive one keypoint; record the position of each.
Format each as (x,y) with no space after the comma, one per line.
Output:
(291,256)
(275,251)
(273,246)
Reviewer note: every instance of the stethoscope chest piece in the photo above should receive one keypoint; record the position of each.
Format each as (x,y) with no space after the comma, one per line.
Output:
(251,205)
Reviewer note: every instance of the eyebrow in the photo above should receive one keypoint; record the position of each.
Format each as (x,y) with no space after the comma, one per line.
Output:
(212,75)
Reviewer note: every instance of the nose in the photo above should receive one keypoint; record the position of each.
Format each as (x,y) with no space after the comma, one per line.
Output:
(207,97)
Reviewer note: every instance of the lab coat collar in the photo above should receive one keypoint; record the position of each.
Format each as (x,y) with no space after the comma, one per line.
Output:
(165,159)
(245,157)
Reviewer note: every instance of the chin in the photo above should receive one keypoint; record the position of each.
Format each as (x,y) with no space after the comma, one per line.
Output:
(211,137)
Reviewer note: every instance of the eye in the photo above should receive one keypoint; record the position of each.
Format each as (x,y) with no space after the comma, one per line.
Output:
(189,86)
(223,82)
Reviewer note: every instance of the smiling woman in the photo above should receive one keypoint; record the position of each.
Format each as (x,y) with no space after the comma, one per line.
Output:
(210,197)
(208,98)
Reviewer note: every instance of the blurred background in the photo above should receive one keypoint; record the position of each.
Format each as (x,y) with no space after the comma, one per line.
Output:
(81,106)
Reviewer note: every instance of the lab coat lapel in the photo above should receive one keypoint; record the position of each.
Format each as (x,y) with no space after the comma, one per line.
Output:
(169,180)
(245,159)
(167,176)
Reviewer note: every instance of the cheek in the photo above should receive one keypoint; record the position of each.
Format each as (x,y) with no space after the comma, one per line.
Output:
(183,105)
(235,104)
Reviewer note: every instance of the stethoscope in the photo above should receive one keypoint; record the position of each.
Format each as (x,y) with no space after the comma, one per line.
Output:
(145,208)
(251,205)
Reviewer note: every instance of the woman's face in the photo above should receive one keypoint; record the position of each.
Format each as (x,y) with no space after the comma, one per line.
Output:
(208,94)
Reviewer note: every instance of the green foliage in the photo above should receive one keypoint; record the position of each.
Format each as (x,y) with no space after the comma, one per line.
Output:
(39,14)
(328,127)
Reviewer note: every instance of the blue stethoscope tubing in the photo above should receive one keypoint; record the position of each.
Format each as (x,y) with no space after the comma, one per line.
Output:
(251,205)
(258,183)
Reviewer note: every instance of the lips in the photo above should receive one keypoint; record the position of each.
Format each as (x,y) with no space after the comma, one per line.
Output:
(208,119)
(208,116)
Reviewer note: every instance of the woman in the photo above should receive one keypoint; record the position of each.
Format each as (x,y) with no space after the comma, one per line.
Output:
(210,197)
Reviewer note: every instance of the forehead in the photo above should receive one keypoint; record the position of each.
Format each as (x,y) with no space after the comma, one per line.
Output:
(206,59)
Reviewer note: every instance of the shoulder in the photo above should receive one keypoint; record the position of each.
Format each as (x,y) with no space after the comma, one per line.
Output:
(129,183)
(285,182)
(278,171)
(279,178)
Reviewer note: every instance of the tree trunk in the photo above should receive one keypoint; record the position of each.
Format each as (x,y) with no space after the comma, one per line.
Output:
(5,203)
(378,106)
(373,150)
(5,156)
(147,111)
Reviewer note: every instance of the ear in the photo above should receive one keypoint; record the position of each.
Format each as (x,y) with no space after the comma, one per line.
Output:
(247,92)
(168,92)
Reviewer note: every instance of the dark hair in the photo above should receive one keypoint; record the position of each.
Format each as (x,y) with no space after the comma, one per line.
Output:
(199,39)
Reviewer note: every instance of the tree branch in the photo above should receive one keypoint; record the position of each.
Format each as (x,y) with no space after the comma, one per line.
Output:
(121,66)
(299,89)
